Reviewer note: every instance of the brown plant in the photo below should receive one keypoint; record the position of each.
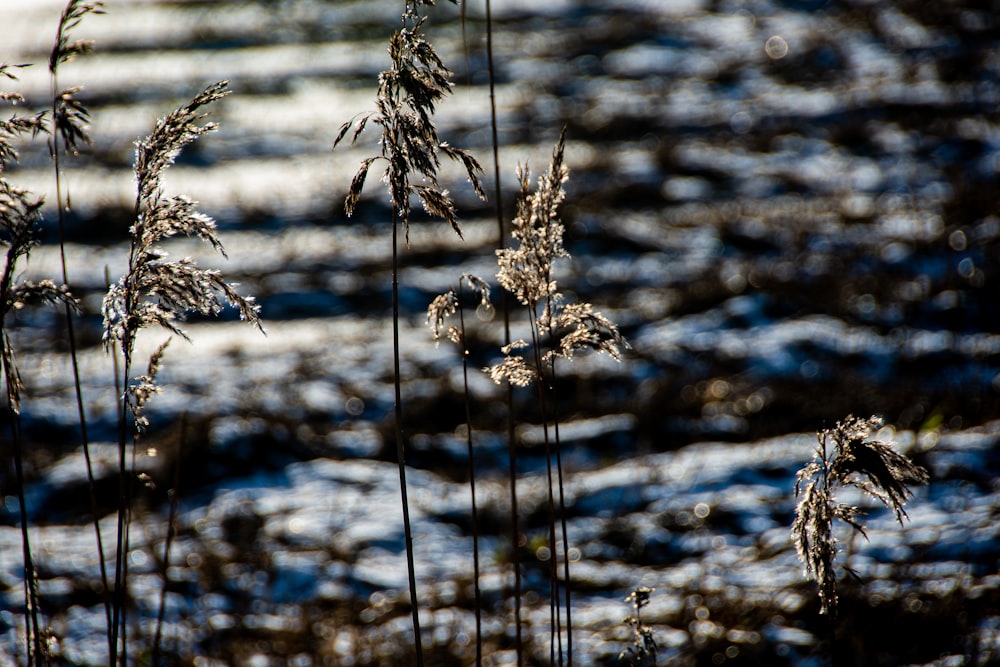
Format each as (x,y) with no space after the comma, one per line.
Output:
(872,466)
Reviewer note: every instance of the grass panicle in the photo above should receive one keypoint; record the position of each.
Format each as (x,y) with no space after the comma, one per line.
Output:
(65,50)
(16,125)
(526,272)
(871,466)
(407,96)
(158,291)
(70,117)
(155,290)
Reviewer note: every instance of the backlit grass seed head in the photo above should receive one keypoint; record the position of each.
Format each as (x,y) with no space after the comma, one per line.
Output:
(20,215)
(872,466)
(445,305)
(144,387)
(71,120)
(64,50)
(514,368)
(407,96)
(441,308)
(70,115)
(584,328)
(156,290)
(15,125)
(525,271)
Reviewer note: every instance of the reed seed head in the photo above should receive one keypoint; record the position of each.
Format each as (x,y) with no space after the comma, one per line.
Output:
(408,93)
(872,466)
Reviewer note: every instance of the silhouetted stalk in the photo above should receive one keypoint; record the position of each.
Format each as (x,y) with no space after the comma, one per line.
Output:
(515,533)
(32,628)
(167,542)
(156,291)
(410,146)
(550,304)
(69,118)
(119,392)
(441,308)
(555,619)
(562,515)
(118,611)
(472,477)
(401,449)
(20,214)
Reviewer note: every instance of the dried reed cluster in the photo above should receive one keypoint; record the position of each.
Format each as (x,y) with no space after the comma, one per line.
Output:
(872,466)
(155,290)
(526,272)
(407,96)
(158,291)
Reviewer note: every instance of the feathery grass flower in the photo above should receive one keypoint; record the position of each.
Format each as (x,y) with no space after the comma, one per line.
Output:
(872,466)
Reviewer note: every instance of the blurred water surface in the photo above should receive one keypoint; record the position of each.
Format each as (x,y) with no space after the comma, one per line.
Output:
(789,207)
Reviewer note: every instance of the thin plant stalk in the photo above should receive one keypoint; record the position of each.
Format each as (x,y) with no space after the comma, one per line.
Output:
(20,214)
(401,449)
(407,95)
(440,308)
(562,515)
(32,628)
(472,483)
(68,117)
(124,501)
(556,447)
(119,610)
(515,532)
(167,543)
(555,620)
